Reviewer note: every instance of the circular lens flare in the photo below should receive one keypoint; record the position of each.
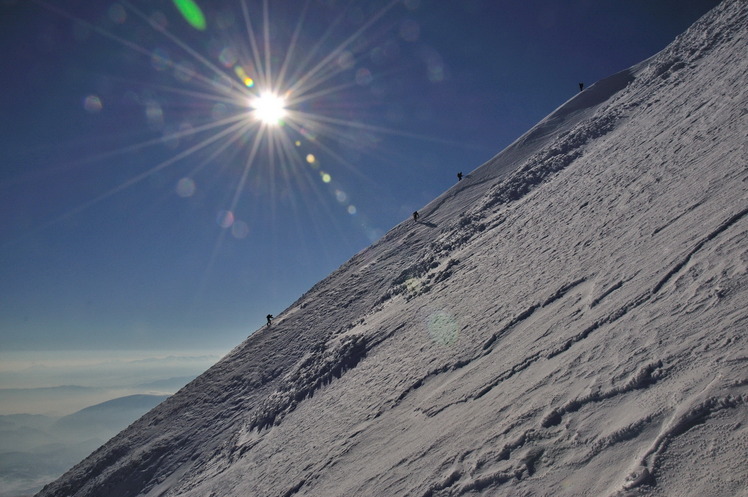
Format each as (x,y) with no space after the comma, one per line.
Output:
(269,108)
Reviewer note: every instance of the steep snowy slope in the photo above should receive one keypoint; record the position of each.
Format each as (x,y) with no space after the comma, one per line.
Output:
(570,319)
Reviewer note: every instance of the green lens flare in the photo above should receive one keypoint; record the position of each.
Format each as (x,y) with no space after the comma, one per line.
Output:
(192,13)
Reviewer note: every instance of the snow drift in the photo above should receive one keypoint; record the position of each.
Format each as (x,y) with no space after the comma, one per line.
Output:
(569,319)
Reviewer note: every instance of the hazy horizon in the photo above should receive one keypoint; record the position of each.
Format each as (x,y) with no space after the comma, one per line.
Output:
(61,382)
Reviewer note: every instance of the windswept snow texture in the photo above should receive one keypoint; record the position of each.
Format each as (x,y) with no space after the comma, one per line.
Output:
(569,319)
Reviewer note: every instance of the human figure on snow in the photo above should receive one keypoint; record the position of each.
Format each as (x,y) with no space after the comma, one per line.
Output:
(415,216)
(581,86)
(270,319)
(459,176)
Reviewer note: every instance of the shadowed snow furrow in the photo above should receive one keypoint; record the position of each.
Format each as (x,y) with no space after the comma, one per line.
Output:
(316,370)
(558,294)
(711,236)
(642,379)
(605,293)
(680,423)
(628,432)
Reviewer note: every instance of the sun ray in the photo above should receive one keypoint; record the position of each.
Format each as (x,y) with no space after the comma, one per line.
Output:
(261,76)
(247,167)
(300,116)
(200,58)
(266,37)
(293,43)
(97,158)
(134,46)
(323,92)
(319,99)
(136,179)
(232,207)
(303,81)
(314,51)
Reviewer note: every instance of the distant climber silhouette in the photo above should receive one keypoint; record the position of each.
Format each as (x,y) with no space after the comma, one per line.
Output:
(459,176)
(415,216)
(581,86)
(270,319)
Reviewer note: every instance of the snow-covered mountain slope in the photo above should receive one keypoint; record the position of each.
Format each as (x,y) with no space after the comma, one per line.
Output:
(569,319)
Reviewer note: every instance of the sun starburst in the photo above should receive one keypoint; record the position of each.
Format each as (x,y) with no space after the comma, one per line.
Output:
(274,88)
(268,108)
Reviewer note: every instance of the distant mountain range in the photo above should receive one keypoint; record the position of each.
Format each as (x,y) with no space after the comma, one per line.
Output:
(35,449)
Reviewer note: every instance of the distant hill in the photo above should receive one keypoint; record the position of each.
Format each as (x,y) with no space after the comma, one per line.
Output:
(168,385)
(36,449)
(108,417)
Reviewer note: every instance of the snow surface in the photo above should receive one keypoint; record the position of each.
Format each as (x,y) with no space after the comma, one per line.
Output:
(569,319)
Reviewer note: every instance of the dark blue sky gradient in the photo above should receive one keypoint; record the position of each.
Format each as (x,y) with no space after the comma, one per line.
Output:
(100,246)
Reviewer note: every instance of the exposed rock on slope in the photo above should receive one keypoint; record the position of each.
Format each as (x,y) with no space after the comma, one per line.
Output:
(570,319)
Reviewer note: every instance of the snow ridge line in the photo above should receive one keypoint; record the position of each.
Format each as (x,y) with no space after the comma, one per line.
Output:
(528,361)
(676,218)
(487,349)
(645,377)
(644,474)
(556,157)
(523,468)
(607,292)
(317,370)
(711,236)
(552,159)
(295,489)
(628,432)
(558,294)
(610,318)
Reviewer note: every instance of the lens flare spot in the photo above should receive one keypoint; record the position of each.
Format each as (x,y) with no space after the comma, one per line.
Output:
(244,77)
(239,70)
(240,230)
(410,30)
(297,143)
(225,219)
(228,57)
(219,111)
(269,108)
(184,71)
(308,134)
(117,13)
(92,104)
(341,196)
(311,159)
(352,210)
(345,60)
(191,13)
(326,178)
(160,59)
(442,327)
(186,187)
(155,115)
(363,77)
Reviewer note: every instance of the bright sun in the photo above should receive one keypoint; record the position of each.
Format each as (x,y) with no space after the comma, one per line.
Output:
(269,108)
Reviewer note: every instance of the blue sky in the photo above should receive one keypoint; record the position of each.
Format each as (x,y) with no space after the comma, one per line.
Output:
(146,208)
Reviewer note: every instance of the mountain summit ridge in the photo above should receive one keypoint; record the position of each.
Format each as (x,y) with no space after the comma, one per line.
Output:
(568,319)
